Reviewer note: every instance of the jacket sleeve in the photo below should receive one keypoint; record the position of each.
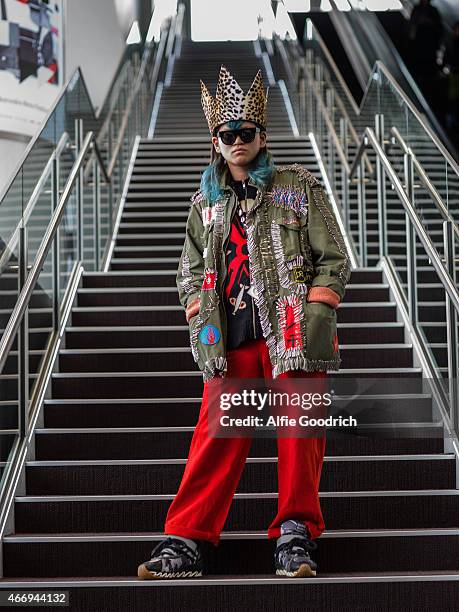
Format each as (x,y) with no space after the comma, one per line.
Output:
(328,250)
(190,270)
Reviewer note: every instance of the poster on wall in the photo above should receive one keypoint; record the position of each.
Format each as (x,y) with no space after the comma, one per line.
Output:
(31,61)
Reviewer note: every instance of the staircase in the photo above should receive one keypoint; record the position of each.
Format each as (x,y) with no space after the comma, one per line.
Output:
(126,394)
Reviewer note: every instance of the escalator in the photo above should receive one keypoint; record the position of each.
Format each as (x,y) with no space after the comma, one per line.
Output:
(357,39)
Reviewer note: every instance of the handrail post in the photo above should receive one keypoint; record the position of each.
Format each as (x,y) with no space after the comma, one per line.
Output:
(309,67)
(331,153)
(23,341)
(110,187)
(302,96)
(96,208)
(362,206)
(344,178)
(319,81)
(56,258)
(411,262)
(451,326)
(381,186)
(79,189)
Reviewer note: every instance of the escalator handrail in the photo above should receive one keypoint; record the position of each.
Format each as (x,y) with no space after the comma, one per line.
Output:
(419,96)
(380,66)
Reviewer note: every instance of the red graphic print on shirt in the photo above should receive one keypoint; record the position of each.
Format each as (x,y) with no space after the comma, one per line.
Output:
(238,261)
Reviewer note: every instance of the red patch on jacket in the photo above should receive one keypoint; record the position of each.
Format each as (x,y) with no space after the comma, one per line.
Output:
(335,343)
(210,277)
(289,309)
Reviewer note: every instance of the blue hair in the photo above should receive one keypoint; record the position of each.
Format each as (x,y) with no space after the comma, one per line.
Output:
(261,170)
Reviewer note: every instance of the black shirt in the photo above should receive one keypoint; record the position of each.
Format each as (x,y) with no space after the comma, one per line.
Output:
(241,311)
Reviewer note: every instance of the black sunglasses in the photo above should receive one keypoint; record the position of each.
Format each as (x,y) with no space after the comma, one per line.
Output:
(247,134)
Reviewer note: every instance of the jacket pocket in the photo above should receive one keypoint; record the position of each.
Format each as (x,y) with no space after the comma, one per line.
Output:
(322,341)
(289,230)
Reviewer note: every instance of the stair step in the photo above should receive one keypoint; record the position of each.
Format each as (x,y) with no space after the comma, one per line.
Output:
(170,411)
(237,553)
(128,336)
(156,442)
(386,509)
(163,476)
(167,357)
(396,590)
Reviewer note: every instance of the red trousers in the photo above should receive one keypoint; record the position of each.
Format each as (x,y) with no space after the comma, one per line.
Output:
(215,465)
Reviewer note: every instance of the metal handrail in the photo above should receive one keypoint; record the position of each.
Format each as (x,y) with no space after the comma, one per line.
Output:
(129,105)
(355,137)
(329,122)
(397,137)
(343,109)
(370,139)
(313,34)
(124,71)
(106,124)
(98,154)
(311,28)
(22,303)
(39,133)
(38,189)
(432,135)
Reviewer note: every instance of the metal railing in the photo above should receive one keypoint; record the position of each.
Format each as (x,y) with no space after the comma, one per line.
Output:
(383,96)
(65,225)
(372,163)
(415,234)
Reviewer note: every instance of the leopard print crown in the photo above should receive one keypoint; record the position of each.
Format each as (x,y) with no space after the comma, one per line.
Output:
(230,103)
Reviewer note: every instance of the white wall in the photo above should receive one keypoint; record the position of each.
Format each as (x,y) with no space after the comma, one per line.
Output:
(127,12)
(94,40)
(11,152)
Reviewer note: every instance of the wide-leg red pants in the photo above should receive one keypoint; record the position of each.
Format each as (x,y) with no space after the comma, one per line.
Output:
(215,465)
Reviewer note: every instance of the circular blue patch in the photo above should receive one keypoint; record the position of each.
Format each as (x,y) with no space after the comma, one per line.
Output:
(209,334)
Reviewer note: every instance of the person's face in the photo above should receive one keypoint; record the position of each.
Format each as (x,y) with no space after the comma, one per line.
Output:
(240,153)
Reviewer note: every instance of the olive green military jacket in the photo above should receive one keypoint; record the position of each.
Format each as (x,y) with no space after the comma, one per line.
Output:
(293,244)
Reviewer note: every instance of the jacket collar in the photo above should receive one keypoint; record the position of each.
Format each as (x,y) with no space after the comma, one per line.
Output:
(226,177)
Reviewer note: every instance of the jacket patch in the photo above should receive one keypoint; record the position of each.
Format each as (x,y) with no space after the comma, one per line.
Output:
(290,221)
(197,196)
(335,343)
(186,281)
(288,197)
(210,277)
(209,213)
(290,313)
(292,274)
(298,273)
(209,334)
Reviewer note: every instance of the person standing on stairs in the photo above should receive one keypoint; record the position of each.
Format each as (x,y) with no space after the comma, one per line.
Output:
(262,271)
